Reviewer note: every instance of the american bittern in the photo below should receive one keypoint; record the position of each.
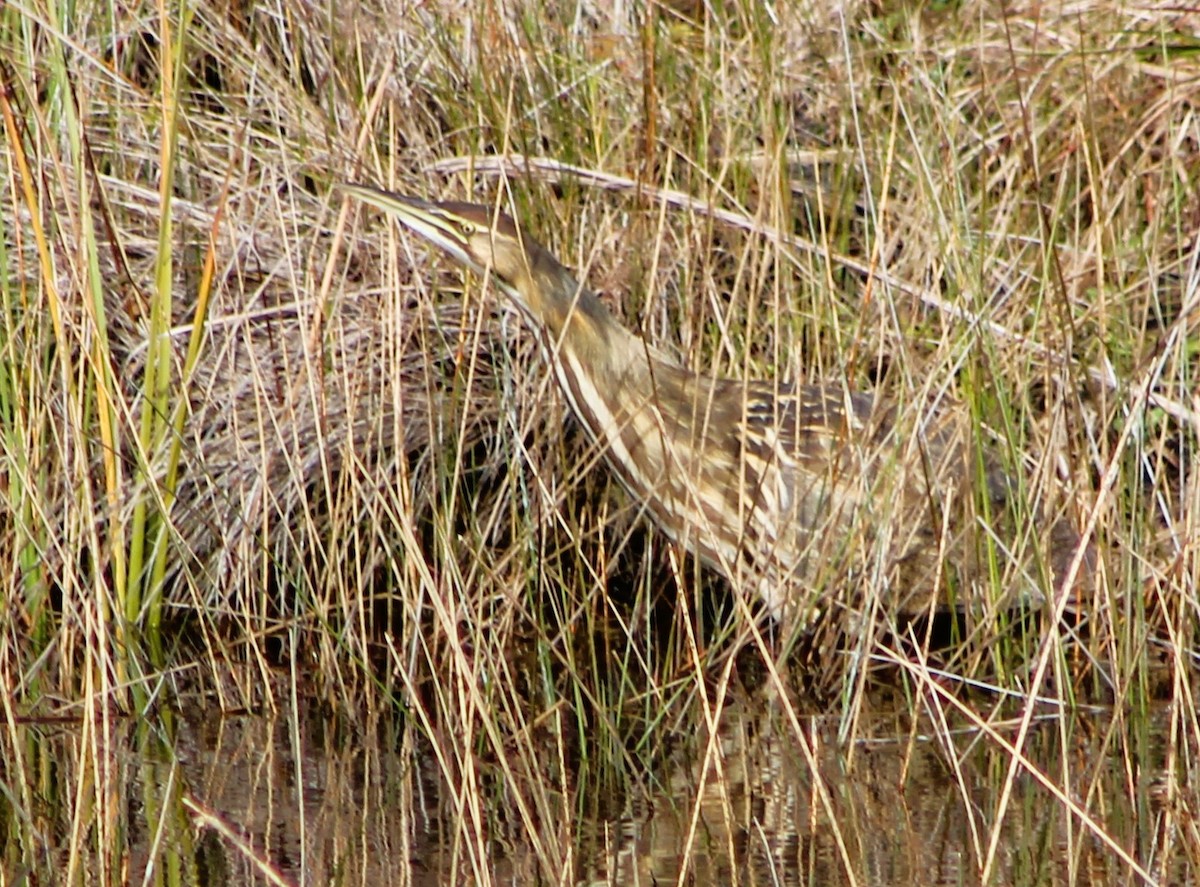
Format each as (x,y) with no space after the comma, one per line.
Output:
(765,481)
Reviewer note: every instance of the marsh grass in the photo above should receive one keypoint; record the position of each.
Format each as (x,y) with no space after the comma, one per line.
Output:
(261,448)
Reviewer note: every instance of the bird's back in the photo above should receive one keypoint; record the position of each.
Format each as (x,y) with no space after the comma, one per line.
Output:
(804,493)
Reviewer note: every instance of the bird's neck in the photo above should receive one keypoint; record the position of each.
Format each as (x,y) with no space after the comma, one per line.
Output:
(571,317)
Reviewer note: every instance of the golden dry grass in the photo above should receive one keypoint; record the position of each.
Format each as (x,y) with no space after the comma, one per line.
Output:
(247,424)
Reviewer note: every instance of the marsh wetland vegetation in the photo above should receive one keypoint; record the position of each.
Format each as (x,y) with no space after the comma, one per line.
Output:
(310,577)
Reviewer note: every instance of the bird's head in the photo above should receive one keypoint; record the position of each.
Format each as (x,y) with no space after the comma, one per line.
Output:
(485,240)
(478,237)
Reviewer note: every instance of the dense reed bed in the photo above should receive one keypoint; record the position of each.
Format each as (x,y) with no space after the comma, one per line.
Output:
(262,447)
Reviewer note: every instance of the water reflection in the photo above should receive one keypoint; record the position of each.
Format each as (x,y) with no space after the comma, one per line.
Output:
(894,807)
(762,796)
(322,799)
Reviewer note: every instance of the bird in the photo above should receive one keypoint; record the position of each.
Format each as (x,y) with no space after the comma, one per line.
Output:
(794,492)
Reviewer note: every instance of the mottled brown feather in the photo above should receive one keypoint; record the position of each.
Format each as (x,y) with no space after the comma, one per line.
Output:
(766,482)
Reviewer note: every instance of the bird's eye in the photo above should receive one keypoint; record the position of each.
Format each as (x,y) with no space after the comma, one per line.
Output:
(468,228)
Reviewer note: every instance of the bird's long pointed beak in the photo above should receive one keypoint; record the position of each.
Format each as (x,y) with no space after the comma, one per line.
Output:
(434,223)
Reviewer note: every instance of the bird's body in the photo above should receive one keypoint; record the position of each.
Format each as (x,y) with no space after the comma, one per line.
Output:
(765,481)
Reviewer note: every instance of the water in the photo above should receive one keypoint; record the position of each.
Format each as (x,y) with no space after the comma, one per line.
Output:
(310,796)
